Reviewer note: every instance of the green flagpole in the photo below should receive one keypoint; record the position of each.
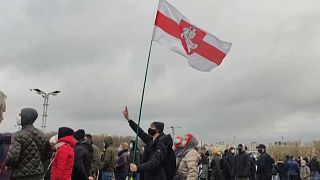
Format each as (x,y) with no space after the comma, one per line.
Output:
(140,111)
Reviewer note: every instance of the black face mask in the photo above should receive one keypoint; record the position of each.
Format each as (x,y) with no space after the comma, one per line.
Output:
(151,132)
(260,151)
(240,150)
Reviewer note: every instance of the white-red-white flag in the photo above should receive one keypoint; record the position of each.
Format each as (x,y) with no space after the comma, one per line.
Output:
(203,50)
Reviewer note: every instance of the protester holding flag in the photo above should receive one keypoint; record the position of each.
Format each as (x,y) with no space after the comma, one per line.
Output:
(152,165)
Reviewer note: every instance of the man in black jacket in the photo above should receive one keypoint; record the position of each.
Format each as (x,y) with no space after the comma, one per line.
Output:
(242,164)
(152,163)
(82,157)
(314,167)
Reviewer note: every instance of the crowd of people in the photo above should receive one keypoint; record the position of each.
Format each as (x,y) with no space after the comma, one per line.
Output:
(72,155)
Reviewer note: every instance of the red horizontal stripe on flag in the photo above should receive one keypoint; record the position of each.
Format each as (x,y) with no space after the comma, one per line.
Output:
(210,52)
(168,25)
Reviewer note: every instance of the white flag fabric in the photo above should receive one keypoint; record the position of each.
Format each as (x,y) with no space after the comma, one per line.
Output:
(203,50)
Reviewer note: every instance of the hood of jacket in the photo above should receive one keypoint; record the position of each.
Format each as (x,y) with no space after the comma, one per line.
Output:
(69,140)
(86,145)
(107,141)
(166,139)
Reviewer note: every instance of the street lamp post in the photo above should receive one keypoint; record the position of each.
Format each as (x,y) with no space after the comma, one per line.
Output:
(45,105)
(173,129)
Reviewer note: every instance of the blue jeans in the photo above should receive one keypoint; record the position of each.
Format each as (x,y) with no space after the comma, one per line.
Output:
(107,175)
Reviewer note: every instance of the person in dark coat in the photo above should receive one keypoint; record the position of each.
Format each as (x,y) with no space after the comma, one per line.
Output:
(242,164)
(253,169)
(228,163)
(123,161)
(5,140)
(264,164)
(314,168)
(293,169)
(83,157)
(215,164)
(204,164)
(281,170)
(152,164)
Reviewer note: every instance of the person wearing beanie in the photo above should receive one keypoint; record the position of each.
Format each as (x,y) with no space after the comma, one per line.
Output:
(63,160)
(30,151)
(158,151)
(79,135)
(83,157)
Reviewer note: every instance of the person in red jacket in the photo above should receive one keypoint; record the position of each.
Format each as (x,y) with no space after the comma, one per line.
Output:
(63,160)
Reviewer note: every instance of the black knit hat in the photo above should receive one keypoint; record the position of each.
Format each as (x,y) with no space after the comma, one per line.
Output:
(64,131)
(159,126)
(79,135)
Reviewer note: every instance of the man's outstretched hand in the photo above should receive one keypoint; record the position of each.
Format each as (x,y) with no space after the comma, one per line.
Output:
(126,113)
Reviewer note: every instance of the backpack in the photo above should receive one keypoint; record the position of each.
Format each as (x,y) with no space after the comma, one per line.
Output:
(170,164)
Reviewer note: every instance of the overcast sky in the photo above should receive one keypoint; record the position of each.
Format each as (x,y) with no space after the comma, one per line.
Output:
(95,52)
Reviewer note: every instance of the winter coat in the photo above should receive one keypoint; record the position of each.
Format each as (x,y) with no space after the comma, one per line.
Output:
(82,161)
(293,167)
(5,141)
(215,165)
(188,167)
(96,155)
(108,158)
(265,165)
(314,165)
(204,164)
(281,168)
(305,173)
(152,161)
(229,164)
(62,164)
(123,161)
(29,152)
(242,165)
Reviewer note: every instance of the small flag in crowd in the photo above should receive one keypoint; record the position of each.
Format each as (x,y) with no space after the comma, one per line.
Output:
(203,50)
